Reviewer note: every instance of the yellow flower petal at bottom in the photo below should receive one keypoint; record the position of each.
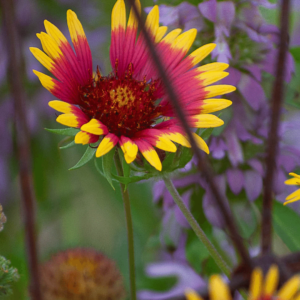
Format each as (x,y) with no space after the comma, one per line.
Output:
(105,146)
(271,281)
(293,181)
(165,144)
(289,289)
(130,151)
(95,127)
(179,138)
(192,295)
(68,120)
(256,282)
(218,290)
(82,138)
(295,196)
(295,175)
(153,159)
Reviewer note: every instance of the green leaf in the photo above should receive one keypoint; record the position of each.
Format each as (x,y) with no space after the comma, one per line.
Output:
(206,133)
(167,164)
(296,53)
(68,145)
(125,166)
(286,225)
(64,131)
(98,168)
(245,218)
(107,164)
(86,157)
(127,180)
(185,156)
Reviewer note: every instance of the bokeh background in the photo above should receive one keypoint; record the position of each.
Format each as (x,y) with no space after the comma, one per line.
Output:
(79,207)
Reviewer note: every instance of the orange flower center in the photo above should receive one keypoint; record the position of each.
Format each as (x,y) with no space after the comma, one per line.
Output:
(124,105)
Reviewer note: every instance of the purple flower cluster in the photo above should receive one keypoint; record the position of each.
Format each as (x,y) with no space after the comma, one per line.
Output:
(249,45)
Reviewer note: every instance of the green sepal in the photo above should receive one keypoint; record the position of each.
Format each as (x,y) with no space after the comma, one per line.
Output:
(168,162)
(99,167)
(86,157)
(125,166)
(107,164)
(184,157)
(127,180)
(64,131)
(72,144)
(207,133)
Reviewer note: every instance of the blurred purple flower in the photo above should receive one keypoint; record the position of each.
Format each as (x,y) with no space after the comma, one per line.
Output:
(186,278)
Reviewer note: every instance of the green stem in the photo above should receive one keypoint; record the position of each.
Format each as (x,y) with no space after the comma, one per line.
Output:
(126,201)
(197,229)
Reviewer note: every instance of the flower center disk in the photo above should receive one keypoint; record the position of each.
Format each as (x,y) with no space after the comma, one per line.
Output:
(125,105)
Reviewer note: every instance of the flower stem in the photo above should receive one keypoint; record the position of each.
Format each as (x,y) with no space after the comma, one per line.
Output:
(126,201)
(197,229)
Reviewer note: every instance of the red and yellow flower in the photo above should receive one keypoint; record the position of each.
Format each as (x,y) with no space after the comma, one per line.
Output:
(295,196)
(130,107)
(260,288)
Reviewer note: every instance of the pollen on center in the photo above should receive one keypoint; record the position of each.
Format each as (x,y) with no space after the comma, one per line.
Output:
(121,96)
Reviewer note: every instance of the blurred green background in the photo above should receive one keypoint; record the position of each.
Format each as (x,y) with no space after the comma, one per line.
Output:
(74,208)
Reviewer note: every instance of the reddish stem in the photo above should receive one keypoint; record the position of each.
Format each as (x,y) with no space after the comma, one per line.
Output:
(15,73)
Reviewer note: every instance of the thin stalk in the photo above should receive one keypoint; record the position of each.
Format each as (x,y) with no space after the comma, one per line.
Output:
(273,137)
(202,165)
(197,229)
(15,74)
(129,226)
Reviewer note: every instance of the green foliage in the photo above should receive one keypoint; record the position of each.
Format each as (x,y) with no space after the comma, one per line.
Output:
(296,53)
(64,131)
(170,163)
(107,165)
(8,275)
(286,225)
(71,144)
(87,156)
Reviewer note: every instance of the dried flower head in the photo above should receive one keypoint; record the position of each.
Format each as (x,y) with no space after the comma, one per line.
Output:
(81,274)
(130,106)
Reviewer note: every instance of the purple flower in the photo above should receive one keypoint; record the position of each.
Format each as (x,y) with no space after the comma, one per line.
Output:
(186,278)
